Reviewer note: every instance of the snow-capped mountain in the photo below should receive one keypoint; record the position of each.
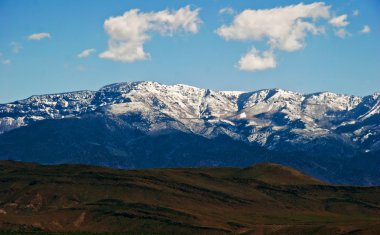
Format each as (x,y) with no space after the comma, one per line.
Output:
(273,118)
(146,124)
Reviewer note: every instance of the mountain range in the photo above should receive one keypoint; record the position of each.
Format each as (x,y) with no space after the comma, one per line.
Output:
(332,137)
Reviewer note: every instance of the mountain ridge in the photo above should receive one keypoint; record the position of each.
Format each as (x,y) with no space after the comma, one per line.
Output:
(311,111)
(326,131)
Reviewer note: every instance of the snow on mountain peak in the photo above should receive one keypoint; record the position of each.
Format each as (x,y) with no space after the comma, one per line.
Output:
(376,95)
(252,116)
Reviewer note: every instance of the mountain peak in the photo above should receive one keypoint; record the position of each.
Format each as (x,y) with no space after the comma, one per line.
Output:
(376,95)
(128,85)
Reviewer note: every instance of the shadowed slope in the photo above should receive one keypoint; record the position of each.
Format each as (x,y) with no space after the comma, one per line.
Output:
(110,141)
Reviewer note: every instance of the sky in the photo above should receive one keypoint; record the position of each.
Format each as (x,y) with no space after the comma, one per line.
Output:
(55,46)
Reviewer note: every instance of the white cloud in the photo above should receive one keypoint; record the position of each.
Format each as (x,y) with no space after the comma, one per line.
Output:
(342,33)
(255,60)
(366,29)
(355,12)
(16,47)
(284,28)
(227,10)
(39,36)
(86,53)
(4,60)
(339,21)
(129,32)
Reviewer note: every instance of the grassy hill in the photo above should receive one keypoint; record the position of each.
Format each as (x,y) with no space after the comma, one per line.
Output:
(263,199)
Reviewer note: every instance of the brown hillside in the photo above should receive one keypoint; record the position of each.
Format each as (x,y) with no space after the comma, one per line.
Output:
(272,173)
(262,199)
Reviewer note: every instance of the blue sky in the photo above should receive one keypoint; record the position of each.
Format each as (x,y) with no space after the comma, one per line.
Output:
(201,56)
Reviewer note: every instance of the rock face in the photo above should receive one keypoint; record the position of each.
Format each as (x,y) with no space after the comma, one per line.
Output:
(319,125)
